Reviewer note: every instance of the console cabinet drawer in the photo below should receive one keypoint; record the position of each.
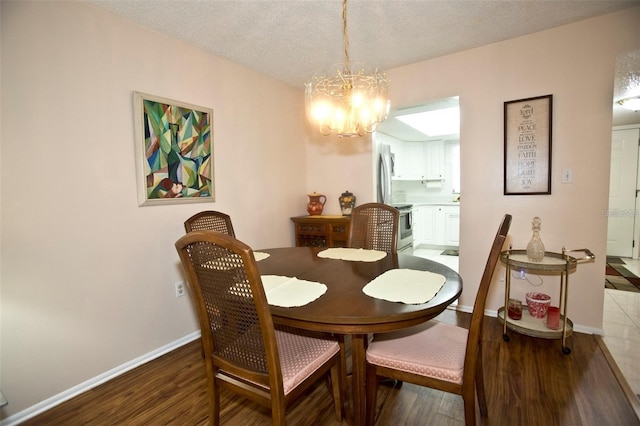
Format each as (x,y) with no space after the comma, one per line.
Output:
(321,231)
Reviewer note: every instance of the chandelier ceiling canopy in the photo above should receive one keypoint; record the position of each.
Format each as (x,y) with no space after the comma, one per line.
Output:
(345,100)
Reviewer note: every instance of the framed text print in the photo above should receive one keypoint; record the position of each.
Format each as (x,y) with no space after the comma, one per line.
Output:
(527,146)
(174,151)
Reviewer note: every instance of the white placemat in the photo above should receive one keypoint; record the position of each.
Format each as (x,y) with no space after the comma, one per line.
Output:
(288,292)
(352,254)
(405,285)
(260,255)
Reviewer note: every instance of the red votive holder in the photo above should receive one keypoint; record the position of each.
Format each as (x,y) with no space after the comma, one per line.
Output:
(514,310)
(553,317)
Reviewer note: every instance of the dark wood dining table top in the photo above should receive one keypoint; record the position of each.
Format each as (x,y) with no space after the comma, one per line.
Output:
(344,308)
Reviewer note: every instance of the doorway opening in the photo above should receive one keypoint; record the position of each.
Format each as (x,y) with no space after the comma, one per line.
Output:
(424,141)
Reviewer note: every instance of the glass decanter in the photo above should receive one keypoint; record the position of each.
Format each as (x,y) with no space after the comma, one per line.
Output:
(535,248)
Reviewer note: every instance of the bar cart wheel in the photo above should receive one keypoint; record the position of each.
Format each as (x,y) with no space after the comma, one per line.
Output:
(505,337)
(566,350)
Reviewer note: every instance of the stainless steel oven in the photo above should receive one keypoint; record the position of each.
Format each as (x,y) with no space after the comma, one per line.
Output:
(405,229)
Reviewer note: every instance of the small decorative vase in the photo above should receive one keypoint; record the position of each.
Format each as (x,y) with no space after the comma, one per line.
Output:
(315,204)
(535,248)
(347,202)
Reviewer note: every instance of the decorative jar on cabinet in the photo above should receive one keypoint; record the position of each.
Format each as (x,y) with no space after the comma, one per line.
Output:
(347,202)
(315,204)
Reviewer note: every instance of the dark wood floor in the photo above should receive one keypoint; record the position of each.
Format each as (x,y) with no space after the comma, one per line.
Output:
(529,382)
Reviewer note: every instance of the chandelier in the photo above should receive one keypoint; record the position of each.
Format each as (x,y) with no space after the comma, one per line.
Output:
(347,101)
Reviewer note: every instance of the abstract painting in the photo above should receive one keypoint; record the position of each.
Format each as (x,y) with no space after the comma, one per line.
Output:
(174,150)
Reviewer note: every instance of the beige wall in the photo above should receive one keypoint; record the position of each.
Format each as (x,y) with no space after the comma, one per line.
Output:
(87,276)
(576,64)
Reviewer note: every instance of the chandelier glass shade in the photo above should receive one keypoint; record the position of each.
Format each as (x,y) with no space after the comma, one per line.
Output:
(347,101)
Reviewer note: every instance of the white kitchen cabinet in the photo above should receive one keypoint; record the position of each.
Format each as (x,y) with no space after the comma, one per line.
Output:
(418,225)
(400,158)
(431,229)
(408,160)
(436,225)
(433,160)
(418,160)
(452,225)
(425,227)
(415,167)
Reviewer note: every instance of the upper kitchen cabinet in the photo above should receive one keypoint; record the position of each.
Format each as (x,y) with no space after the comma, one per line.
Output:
(407,163)
(418,160)
(434,160)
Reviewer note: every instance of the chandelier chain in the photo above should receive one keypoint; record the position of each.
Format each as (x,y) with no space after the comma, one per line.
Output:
(345,35)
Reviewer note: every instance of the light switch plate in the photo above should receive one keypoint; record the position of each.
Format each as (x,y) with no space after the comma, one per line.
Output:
(567,176)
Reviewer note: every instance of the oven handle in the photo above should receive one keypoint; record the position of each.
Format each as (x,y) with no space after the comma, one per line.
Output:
(409,219)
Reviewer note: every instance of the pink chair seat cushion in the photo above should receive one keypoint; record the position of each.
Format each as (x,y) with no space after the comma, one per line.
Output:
(433,349)
(300,356)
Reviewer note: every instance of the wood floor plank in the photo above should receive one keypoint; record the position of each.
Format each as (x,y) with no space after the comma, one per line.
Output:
(529,381)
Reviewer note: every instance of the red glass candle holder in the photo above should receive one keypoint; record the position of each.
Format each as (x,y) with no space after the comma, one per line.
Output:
(514,310)
(553,317)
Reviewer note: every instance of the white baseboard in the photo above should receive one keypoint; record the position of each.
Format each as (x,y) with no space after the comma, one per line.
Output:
(55,400)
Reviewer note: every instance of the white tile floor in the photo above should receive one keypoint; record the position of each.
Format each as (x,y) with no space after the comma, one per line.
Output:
(434,254)
(621,322)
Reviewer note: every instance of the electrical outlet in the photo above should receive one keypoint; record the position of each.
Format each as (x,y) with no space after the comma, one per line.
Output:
(521,274)
(180,290)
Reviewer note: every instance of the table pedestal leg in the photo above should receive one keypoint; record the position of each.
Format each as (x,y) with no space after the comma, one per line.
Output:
(358,354)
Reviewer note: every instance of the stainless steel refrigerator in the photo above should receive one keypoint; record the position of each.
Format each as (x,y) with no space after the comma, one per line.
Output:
(385,189)
(385,174)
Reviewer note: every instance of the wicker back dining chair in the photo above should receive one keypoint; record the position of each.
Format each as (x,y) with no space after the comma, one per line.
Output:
(210,220)
(244,352)
(438,355)
(374,226)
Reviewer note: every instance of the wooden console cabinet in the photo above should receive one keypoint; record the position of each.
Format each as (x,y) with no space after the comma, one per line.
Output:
(321,231)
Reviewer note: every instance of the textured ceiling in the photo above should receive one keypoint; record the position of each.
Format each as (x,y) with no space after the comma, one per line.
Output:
(290,39)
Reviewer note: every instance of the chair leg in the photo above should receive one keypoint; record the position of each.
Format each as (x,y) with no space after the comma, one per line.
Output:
(482,400)
(337,386)
(371,394)
(214,405)
(469,400)
(343,365)
(469,410)
(278,413)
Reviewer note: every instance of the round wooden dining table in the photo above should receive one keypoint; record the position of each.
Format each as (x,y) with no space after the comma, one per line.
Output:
(346,310)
